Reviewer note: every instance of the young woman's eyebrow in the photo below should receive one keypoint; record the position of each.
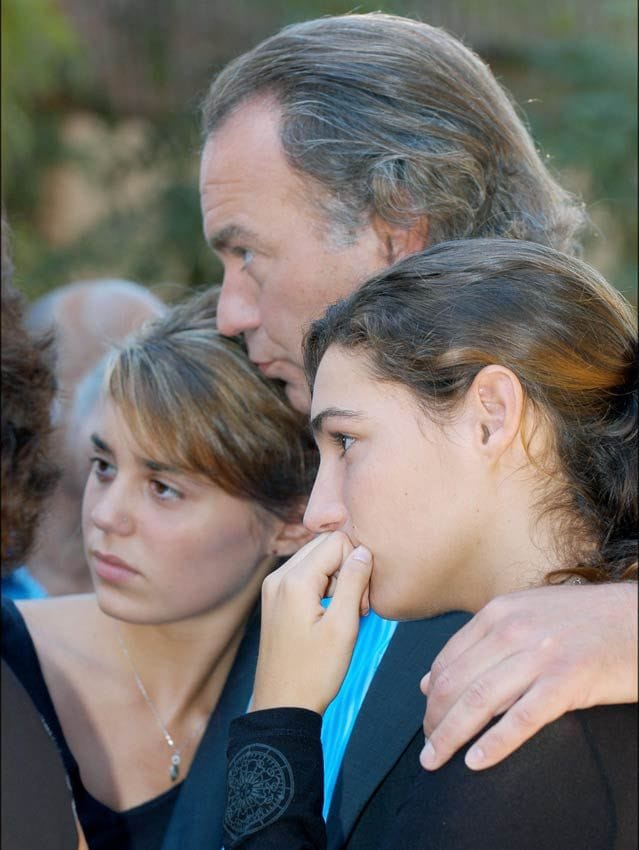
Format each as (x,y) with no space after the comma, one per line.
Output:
(317,422)
(101,445)
(155,466)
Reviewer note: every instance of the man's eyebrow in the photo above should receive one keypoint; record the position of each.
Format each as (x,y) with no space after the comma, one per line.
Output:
(317,422)
(101,445)
(221,239)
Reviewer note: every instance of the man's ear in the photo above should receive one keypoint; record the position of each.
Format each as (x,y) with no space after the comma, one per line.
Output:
(288,537)
(400,241)
(495,403)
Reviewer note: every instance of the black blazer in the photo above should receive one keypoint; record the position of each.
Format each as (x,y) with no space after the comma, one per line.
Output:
(390,717)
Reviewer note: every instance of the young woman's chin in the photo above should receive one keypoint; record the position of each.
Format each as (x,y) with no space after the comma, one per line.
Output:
(391,607)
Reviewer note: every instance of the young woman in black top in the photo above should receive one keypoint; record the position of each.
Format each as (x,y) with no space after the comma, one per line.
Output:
(200,471)
(475,408)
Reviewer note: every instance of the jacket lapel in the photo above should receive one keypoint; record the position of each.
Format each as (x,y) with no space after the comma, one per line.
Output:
(390,716)
(198,815)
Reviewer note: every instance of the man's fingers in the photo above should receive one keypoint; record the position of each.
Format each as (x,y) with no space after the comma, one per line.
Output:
(487,696)
(523,719)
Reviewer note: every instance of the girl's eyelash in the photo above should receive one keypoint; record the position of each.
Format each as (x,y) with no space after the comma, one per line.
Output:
(166,489)
(99,465)
(341,439)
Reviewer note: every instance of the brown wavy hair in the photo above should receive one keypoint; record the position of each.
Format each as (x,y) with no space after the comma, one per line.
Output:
(29,475)
(434,320)
(193,400)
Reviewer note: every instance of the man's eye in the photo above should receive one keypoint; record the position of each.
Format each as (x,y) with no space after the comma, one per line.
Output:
(245,255)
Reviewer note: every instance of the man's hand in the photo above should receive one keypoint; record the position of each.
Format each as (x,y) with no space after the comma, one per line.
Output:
(305,649)
(534,655)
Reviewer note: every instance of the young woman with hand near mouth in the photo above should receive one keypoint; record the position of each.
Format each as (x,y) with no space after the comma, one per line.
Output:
(475,408)
(200,473)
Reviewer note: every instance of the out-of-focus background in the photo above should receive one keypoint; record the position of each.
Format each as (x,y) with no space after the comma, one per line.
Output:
(100,123)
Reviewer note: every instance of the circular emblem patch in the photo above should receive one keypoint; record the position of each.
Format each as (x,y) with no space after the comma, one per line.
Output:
(260,789)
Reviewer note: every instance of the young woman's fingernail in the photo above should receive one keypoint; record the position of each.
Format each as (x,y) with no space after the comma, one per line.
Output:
(362,554)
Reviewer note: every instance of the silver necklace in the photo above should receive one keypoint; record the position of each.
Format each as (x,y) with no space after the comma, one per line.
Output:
(176,756)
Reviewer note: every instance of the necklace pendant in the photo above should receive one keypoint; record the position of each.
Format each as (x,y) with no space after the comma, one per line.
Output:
(174,770)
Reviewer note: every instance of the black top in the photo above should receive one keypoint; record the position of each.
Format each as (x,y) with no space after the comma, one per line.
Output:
(573,786)
(36,800)
(140,828)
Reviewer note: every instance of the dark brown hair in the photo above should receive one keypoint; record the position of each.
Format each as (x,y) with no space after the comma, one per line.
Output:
(29,476)
(390,116)
(433,321)
(193,399)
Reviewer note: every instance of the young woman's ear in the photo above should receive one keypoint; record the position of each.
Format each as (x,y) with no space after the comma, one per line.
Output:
(496,400)
(289,537)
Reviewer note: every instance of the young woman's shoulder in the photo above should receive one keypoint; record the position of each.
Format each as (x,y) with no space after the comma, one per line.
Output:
(60,618)
(68,632)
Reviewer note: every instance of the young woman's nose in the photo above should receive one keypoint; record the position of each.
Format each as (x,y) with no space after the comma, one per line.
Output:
(326,510)
(111,513)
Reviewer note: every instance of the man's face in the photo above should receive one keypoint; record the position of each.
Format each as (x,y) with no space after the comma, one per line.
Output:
(282,265)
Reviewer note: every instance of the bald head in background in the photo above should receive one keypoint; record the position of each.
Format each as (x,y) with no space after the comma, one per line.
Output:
(88,318)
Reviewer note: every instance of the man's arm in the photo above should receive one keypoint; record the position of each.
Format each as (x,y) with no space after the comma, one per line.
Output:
(534,655)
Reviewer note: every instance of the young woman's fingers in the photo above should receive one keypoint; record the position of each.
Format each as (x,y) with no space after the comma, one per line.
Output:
(352,587)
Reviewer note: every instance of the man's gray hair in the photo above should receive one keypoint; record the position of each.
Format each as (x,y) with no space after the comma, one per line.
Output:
(394,117)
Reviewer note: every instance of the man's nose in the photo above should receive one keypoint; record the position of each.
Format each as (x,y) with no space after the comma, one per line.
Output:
(237,307)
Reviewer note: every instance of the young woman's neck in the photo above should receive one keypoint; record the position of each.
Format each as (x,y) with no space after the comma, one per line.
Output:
(184,664)
(518,548)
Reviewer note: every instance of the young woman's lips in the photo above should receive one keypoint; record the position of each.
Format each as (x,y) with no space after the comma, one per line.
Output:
(112,569)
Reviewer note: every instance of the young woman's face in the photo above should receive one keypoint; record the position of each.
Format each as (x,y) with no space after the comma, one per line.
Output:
(163,545)
(393,480)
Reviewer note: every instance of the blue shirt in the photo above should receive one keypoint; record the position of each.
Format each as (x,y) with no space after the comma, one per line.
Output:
(373,639)
(20,584)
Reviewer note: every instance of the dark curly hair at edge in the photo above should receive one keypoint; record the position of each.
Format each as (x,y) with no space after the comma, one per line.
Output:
(28,385)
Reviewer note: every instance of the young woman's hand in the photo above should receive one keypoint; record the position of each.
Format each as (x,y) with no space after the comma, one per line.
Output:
(530,656)
(305,649)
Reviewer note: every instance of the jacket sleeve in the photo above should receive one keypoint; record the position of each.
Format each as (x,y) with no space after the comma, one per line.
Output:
(275,782)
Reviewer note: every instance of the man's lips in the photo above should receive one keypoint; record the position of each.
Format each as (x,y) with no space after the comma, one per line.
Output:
(264,366)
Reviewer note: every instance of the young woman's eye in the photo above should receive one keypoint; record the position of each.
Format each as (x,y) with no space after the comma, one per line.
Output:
(102,469)
(343,441)
(164,491)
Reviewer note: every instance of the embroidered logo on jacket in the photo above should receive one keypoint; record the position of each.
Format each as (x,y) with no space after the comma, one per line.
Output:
(260,789)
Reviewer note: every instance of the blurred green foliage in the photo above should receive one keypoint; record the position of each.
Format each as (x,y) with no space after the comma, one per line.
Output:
(579,96)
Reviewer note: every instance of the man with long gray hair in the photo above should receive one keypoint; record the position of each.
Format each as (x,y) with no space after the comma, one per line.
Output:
(332,150)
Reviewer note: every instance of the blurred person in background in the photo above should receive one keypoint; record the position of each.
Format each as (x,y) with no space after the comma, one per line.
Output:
(200,472)
(88,318)
(331,150)
(36,800)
